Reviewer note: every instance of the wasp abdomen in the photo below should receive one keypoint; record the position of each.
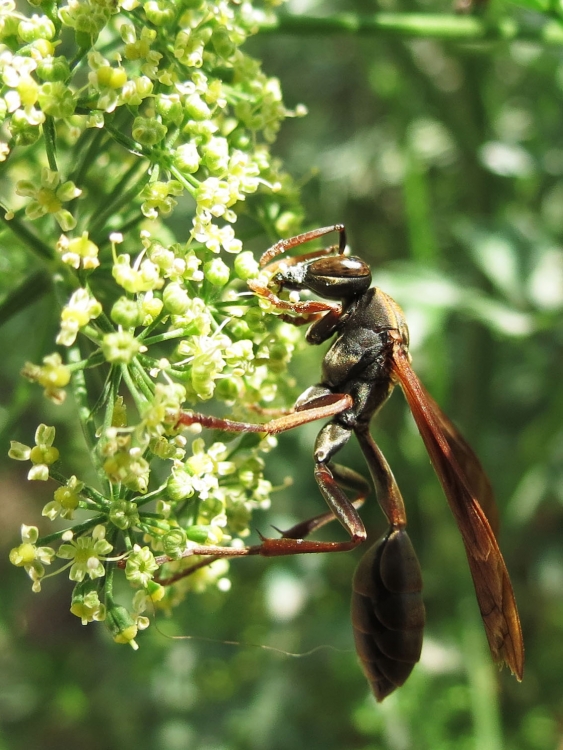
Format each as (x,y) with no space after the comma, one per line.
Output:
(388,612)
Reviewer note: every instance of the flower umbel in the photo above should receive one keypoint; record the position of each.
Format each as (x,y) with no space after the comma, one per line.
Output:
(153,116)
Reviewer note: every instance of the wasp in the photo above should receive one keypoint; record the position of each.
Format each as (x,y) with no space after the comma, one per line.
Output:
(368,357)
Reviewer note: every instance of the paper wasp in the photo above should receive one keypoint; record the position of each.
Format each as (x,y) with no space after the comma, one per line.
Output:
(368,357)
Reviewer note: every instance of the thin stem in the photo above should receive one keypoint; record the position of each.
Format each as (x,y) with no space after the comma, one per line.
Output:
(139,398)
(77,530)
(150,328)
(111,391)
(50,143)
(94,360)
(144,499)
(435,26)
(158,338)
(80,391)
(142,378)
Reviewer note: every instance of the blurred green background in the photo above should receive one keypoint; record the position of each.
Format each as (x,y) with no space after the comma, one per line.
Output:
(445,161)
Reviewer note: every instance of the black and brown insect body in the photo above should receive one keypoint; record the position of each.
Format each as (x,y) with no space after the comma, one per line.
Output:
(367,358)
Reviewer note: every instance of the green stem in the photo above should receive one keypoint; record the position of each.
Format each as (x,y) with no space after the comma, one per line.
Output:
(50,143)
(109,396)
(138,397)
(94,360)
(77,530)
(158,338)
(144,499)
(428,25)
(189,182)
(142,378)
(150,328)
(80,392)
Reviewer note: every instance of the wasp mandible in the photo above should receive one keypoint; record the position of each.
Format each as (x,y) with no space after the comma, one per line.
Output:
(368,357)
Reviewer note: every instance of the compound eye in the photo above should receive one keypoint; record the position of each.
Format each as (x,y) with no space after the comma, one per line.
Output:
(338,277)
(339,267)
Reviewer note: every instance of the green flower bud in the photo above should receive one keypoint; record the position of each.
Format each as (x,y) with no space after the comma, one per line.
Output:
(23,132)
(9,25)
(53,69)
(246,266)
(179,486)
(239,329)
(86,603)
(255,319)
(124,514)
(174,543)
(121,625)
(240,139)
(216,272)
(187,158)
(148,130)
(197,108)
(120,347)
(127,313)
(36,27)
(159,12)
(169,108)
(222,42)
(56,99)
(239,518)
(216,154)
(119,414)
(287,223)
(175,298)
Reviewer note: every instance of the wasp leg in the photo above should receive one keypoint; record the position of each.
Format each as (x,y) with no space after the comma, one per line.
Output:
(330,440)
(303,307)
(388,613)
(387,491)
(347,478)
(326,405)
(283,246)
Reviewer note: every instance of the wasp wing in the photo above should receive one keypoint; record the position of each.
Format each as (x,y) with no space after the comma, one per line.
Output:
(477,481)
(463,479)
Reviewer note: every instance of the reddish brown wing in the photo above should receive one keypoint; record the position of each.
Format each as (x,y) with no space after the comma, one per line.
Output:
(462,477)
(477,481)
